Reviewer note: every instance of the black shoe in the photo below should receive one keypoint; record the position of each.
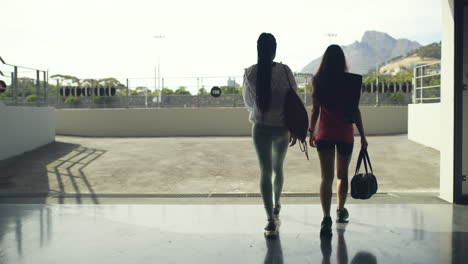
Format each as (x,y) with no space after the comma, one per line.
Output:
(342,216)
(276,211)
(326,229)
(271,229)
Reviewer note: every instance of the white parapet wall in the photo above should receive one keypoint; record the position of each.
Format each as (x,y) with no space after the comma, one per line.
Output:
(25,128)
(424,124)
(217,121)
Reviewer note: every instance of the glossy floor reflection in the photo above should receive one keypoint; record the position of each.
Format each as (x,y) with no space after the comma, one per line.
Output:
(378,233)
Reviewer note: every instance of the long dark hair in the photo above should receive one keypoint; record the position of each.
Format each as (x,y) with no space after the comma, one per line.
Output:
(327,80)
(266,50)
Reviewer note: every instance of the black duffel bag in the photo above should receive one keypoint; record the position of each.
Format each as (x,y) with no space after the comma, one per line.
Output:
(363,185)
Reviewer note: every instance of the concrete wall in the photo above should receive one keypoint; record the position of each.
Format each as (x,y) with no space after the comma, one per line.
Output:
(25,128)
(423,124)
(447,101)
(196,121)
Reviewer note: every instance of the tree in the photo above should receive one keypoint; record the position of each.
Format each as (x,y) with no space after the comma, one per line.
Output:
(71,79)
(202,91)
(432,50)
(154,93)
(230,90)
(142,90)
(307,88)
(401,77)
(182,91)
(90,82)
(113,82)
(167,91)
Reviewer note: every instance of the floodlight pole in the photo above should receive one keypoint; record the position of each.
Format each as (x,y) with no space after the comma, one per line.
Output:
(330,37)
(159,37)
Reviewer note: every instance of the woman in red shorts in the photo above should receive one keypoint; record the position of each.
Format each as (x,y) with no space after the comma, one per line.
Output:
(333,133)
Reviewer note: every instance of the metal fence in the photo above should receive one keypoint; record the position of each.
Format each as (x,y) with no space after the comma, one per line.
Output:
(149,97)
(26,85)
(427,83)
(198,101)
(192,101)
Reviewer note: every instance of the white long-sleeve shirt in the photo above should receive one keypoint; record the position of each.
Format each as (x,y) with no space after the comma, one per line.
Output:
(274,116)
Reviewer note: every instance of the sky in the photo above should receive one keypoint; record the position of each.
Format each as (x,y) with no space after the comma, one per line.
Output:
(204,38)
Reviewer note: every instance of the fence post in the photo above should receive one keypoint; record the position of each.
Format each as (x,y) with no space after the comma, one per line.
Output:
(161,92)
(414,81)
(58,91)
(377,94)
(22,90)
(45,88)
(128,92)
(38,86)
(15,84)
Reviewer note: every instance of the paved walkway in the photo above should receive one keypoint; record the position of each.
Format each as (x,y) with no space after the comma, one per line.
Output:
(197,165)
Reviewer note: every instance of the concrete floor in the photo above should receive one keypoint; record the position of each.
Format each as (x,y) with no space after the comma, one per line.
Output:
(376,233)
(100,204)
(206,165)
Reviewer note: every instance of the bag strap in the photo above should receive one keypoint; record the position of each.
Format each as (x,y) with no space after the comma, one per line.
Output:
(358,165)
(368,160)
(362,157)
(287,76)
(303,147)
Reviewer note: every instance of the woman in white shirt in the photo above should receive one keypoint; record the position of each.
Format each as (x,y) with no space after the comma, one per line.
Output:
(264,91)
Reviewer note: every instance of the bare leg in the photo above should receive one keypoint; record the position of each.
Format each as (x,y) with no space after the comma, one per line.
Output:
(327,160)
(342,164)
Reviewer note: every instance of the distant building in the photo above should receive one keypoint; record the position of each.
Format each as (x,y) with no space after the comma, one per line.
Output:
(232,83)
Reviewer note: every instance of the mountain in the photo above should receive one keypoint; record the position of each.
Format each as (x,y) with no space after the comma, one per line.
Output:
(424,55)
(374,48)
(405,63)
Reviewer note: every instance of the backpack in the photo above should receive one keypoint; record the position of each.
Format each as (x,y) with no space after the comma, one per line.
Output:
(296,117)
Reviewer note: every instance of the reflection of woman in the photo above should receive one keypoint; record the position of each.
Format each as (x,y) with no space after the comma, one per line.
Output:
(362,257)
(274,251)
(265,87)
(333,132)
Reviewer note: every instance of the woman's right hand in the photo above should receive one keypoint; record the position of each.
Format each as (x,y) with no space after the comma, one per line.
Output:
(312,142)
(292,140)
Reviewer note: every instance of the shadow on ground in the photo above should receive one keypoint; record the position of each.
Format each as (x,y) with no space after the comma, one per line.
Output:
(30,174)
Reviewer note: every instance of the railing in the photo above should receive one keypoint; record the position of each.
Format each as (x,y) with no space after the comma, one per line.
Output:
(426,83)
(191,101)
(385,94)
(24,84)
